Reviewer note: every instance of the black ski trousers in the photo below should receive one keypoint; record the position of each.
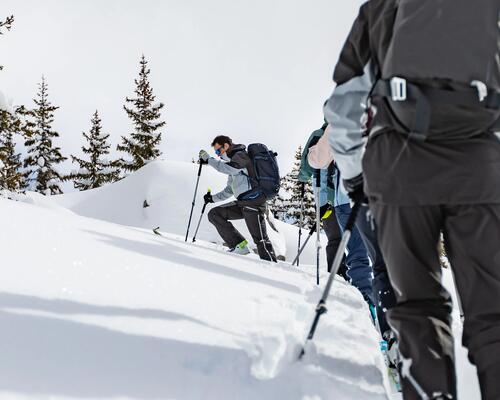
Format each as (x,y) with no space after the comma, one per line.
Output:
(383,293)
(409,236)
(253,215)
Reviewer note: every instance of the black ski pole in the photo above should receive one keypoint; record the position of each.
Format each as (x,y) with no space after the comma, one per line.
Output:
(194,198)
(321,307)
(296,259)
(201,216)
(318,222)
(302,193)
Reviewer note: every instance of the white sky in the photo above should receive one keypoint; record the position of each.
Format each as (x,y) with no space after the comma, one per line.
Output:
(256,70)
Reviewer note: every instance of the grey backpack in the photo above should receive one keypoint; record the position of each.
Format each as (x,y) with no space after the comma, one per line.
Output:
(442,52)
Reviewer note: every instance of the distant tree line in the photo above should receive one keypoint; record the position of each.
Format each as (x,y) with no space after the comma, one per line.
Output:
(38,167)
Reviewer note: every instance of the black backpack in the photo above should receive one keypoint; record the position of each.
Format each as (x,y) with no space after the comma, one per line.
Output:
(267,175)
(442,52)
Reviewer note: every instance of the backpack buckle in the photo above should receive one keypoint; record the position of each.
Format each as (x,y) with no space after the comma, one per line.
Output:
(482,89)
(398,89)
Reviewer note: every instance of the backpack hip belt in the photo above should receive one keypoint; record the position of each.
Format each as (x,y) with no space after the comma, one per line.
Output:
(400,90)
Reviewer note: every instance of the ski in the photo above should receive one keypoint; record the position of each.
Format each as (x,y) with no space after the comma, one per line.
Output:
(392,369)
(156,231)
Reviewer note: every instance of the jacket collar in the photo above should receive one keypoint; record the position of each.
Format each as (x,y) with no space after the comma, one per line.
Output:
(235,148)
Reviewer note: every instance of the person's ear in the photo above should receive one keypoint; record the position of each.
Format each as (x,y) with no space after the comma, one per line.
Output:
(226,146)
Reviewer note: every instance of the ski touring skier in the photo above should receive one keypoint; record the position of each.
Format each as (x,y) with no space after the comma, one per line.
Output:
(250,203)
(327,198)
(428,74)
(320,156)
(336,203)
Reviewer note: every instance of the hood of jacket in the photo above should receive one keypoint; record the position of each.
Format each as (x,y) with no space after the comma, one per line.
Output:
(235,148)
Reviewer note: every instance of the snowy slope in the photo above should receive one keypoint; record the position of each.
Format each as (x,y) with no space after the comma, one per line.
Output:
(95,306)
(168,187)
(91,309)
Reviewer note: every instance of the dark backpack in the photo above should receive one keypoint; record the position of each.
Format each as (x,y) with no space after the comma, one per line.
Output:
(267,175)
(442,52)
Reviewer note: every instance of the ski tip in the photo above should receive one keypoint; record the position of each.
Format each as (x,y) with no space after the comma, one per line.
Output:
(156,231)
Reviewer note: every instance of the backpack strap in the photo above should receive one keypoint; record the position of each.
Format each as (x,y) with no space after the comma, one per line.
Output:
(400,90)
(330,172)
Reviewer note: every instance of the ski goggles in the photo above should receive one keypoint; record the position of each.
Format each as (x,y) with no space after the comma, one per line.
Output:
(218,152)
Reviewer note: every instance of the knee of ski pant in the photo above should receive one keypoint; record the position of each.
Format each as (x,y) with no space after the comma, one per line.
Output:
(214,215)
(359,272)
(419,316)
(483,346)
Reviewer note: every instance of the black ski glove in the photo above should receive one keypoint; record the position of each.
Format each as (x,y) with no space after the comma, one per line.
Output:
(208,198)
(355,191)
(325,211)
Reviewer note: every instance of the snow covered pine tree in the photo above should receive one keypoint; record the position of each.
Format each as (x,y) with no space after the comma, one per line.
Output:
(11,175)
(293,199)
(142,145)
(43,156)
(7,25)
(96,171)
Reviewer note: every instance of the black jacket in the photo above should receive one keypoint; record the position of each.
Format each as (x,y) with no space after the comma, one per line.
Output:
(460,166)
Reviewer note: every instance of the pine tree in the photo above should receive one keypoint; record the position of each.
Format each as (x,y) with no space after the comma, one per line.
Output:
(287,205)
(293,199)
(11,174)
(142,144)
(43,156)
(6,25)
(97,171)
(276,205)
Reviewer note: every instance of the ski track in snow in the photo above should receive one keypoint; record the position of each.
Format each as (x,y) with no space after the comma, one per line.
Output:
(91,309)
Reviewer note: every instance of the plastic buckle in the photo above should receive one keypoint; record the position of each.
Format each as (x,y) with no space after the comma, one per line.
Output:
(482,89)
(398,89)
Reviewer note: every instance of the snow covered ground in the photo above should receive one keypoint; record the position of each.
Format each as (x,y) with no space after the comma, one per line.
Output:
(93,305)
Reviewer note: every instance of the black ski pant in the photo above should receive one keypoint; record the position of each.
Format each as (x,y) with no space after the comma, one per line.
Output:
(334,236)
(383,293)
(409,236)
(253,215)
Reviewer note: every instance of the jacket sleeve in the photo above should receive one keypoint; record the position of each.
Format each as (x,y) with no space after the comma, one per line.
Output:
(229,168)
(320,155)
(223,195)
(306,171)
(345,108)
